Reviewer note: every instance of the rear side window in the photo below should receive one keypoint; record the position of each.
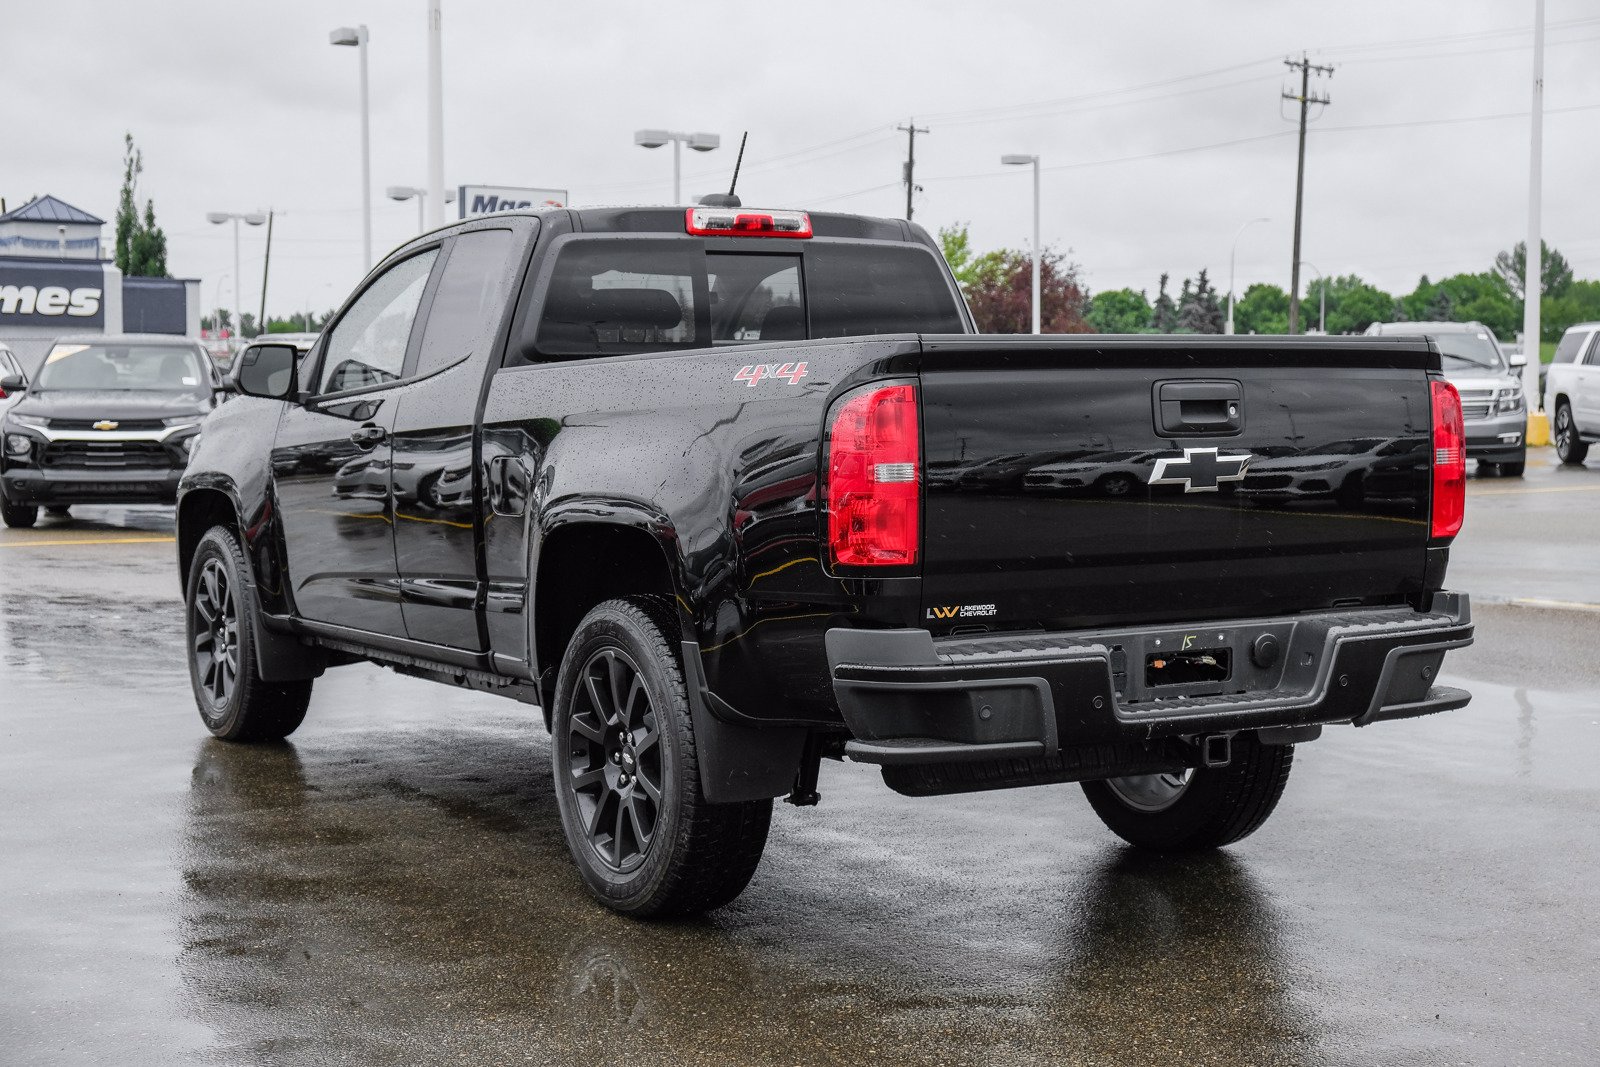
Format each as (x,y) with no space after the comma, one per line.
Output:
(863,289)
(1571,343)
(616,296)
(468,301)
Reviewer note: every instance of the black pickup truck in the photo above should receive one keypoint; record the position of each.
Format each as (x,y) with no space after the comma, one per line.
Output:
(725,492)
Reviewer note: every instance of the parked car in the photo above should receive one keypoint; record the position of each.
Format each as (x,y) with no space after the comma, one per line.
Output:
(107,419)
(1572,392)
(664,474)
(1492,403)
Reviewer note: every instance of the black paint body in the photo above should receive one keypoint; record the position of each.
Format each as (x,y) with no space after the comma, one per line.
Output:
(501,486)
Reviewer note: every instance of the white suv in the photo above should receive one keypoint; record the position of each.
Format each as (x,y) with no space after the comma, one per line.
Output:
(1572,392)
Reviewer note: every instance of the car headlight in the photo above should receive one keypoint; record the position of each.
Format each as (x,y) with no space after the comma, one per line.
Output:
(190,443)
(183,420)
(1509,400)
(30,420)
(18,445)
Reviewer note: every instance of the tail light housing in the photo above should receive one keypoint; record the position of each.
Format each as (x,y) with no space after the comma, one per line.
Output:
(1449,461)
(875,478)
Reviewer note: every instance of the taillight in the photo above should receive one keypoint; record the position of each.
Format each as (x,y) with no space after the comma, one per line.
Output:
(874,485)
(1449,461)
(735,222)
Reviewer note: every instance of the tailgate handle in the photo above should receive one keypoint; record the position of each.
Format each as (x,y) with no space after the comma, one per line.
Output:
(1199,408)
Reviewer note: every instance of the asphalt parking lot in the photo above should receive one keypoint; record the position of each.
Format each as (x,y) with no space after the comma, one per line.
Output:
(392,888)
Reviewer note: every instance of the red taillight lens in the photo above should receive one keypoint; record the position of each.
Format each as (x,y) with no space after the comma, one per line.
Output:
(874,484)
(1449,461)
(732,222)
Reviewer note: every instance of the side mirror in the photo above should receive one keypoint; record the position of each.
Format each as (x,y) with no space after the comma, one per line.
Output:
(1518,359)
(266,371)
(12,383)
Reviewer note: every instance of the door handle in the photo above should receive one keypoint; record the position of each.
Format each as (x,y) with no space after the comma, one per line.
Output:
(368,437)
(1199,408)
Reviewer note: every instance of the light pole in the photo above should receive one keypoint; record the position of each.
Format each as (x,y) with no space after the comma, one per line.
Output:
(254,218)
(1017,161)
(1232,251)
(436,198)
(357,38)
(1322,296)
(700,142)
(1533,257)
(409,192)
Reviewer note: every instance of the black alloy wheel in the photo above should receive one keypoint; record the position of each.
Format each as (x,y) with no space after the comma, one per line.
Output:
(215,626)
(614,759)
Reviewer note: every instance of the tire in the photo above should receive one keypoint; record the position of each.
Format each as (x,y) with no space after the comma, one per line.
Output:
(1513,470)
(19,516)
(1207,808)
(621,731)
(234,702)
(1569,448)
(1116,484)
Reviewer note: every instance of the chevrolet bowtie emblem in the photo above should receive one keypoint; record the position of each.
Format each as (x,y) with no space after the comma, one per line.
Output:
(106,424)
(1200,470)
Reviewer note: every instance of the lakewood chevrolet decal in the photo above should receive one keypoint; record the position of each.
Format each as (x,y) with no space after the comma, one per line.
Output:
(962,611)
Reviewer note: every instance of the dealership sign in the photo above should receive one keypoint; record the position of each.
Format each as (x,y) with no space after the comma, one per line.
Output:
(482,199)
(44,296)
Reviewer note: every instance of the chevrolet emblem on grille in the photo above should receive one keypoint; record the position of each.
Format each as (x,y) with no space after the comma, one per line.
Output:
(106,424)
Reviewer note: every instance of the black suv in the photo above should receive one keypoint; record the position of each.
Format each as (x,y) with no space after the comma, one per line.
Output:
(105,420)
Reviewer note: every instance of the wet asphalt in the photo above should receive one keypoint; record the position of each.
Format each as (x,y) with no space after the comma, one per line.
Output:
(391,887)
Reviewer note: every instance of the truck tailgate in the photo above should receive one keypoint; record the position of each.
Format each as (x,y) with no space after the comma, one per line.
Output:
(1082,481)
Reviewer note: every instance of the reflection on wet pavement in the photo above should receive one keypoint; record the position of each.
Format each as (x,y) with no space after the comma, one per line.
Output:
(391,888)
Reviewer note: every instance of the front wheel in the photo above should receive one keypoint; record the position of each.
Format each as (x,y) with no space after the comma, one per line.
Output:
(19,516)
(1200,808)
(235,703)
(1570,448)
(627,776)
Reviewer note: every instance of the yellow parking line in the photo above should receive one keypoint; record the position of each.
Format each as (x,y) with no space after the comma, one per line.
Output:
(1545,489)
(1566,605)
(90,541)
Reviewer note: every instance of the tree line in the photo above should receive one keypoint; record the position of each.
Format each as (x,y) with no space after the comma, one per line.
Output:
(998,287)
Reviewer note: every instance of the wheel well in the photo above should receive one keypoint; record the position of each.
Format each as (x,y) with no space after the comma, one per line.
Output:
(202,509)
(580,565)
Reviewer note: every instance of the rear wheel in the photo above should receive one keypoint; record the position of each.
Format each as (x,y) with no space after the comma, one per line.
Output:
(627,775)
(235,703)
(1513,470)
(1200,808)
(19,515)
(1570,449)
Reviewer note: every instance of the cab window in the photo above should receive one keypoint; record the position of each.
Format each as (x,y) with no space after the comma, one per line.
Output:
(368,345)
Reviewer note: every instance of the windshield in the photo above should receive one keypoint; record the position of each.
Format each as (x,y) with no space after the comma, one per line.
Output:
(1471,349)
(129,367)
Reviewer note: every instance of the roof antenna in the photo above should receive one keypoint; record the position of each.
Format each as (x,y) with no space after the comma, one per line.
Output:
(728,199)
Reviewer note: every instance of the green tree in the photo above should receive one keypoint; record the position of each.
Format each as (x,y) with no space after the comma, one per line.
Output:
(1555,273)
(1262,309)
(969,268)
(1353,305)
(1199,310)
(1164,315)
(1119,311)
(1001,297)
(141,246)
(1580,303)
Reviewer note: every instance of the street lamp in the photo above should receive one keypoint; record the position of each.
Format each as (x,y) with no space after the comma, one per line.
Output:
(357,38)
(254,218)
(408,192)
(1322,297)
(1017,161)
(700,142)
(1232,250)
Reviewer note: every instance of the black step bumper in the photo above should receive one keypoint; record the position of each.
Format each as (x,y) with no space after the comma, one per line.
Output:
(908,698)
(114,485)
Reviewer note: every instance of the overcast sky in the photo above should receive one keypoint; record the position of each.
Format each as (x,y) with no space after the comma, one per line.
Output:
(1160,125)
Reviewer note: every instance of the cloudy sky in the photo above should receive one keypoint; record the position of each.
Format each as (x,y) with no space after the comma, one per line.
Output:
(1160,125)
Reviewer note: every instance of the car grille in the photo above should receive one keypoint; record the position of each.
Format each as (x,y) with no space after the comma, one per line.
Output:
(1268,481)
(107,455)
(1477,403)
(122,424)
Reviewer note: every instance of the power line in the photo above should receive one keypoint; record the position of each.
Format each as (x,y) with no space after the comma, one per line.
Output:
(1305,99)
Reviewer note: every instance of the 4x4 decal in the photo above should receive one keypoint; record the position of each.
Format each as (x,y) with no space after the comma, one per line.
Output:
(753,373)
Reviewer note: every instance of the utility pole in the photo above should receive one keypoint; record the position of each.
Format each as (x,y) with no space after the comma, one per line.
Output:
(1533,260)
(266,265)
(911,132)
(1305,67)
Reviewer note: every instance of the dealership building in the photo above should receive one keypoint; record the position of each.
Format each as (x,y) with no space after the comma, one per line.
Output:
(56,278)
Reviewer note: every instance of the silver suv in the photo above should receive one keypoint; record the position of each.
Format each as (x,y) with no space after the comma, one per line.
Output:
(1492,404)
(1572,392)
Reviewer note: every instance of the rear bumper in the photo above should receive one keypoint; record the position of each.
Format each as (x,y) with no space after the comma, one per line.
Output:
(31,485)
(910,699)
